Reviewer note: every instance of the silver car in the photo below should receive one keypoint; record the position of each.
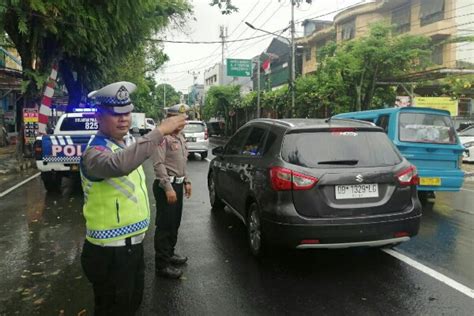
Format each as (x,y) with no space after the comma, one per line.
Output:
(197,137)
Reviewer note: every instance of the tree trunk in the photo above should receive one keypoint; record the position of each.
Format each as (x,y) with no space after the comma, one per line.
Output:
(74,87)
(371,91)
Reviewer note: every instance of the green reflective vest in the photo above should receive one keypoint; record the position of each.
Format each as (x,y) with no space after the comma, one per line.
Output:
(115,208)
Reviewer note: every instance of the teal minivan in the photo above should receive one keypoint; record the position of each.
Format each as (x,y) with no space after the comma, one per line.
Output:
(426,137)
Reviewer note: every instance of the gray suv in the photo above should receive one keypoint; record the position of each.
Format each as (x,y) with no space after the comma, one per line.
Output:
(307,183)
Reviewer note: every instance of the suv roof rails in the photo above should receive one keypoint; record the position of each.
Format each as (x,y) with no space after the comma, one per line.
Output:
(275,121)
(350,120)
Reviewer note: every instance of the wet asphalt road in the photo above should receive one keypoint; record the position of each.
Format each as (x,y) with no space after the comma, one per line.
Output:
(42,235)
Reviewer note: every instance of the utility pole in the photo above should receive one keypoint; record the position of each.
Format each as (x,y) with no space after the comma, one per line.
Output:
(164,96)
(223,36)
(258,86)
(293,55)
(193,91)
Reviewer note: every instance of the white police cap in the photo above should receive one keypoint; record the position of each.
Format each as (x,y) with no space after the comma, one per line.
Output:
(176,109)
(116,96)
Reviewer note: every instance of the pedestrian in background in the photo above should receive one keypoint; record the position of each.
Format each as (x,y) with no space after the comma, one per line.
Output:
(116,205)
(169,163)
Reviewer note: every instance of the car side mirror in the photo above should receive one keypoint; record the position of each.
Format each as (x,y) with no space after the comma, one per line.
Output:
(218,151)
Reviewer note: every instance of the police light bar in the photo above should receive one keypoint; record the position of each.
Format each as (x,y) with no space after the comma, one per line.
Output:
(82,110)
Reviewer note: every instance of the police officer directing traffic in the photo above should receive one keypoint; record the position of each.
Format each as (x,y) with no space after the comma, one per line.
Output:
(169,163)
(116,205)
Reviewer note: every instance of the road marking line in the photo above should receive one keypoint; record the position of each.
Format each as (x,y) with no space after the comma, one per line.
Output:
(207,159)
(467,190)
(438,276)
(19,185)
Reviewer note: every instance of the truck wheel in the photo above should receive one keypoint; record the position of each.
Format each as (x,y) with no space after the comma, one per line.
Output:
(51,181)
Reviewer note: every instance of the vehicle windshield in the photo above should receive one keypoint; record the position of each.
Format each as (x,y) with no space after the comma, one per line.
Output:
(86,122)
(193,128)
(426,128)
(467,132)
(339,149)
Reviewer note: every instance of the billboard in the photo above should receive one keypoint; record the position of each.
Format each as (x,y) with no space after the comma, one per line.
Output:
(440,103)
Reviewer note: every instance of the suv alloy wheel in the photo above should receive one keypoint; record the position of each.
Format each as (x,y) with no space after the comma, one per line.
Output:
(216,202)
(254,231)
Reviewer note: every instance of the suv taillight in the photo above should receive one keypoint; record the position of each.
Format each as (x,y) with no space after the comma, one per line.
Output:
(206,134)
(408,176)
(283,179)
(38,149)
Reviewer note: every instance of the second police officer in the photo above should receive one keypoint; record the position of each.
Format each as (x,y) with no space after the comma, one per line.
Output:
(169,162)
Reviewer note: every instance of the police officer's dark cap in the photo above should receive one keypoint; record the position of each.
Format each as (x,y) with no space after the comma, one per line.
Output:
(115,97)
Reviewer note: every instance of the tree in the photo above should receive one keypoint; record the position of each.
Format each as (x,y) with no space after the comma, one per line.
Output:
(222,101)
(359,64)
(88,38)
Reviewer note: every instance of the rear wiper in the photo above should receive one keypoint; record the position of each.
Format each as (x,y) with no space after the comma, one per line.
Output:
(339,162)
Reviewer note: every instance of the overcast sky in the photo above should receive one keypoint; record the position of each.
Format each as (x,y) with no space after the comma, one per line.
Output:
(270,15)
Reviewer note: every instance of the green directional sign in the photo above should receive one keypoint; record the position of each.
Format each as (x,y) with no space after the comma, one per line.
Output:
(239,67)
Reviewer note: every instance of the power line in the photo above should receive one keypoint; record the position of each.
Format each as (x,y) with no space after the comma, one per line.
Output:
(205,42)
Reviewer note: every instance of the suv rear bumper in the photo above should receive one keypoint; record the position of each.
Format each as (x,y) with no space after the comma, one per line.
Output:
(345,235)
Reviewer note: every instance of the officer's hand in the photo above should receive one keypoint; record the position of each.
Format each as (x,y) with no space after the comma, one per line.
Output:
(187,190)
(171,197)
(171,124)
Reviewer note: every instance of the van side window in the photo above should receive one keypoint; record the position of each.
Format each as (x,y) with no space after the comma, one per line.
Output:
(382,122)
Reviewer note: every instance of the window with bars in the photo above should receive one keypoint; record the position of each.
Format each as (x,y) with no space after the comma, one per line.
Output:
(348,30)
(437,54)
(401,18)
(431,11)
(307,53)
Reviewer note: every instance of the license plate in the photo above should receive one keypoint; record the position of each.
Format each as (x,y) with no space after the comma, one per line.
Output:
(356,191)
(191,139)
(430,181)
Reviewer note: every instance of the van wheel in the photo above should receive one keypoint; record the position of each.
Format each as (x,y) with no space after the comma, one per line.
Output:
(52,181)
(425,196)
(203,155)
(255,235)
(216,202)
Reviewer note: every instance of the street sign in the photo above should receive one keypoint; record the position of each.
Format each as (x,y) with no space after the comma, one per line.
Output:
(239,67)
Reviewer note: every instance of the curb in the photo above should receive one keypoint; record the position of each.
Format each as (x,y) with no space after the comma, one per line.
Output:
(15,166)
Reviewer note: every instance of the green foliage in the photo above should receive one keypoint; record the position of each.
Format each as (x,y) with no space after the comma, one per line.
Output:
(225,6)
(356,66)
(94,36)
(220,101)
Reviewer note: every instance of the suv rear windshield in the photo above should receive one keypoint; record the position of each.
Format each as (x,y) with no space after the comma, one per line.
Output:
(426,128)
(193,128)
(339,149)
(85,123)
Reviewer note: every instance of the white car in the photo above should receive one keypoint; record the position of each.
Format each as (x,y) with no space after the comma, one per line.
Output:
(467,139)
(197,137)
(150,124)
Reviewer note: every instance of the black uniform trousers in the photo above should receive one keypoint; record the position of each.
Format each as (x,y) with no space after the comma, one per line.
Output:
(117,275)
(168,219)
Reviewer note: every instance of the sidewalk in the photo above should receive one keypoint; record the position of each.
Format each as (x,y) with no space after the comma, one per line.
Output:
(8,162)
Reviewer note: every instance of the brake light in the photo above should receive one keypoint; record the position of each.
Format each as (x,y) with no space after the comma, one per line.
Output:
(206,134)
(342,129)
(283,179)
(408,176)
(309,242)
(401,234)
(38,149)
